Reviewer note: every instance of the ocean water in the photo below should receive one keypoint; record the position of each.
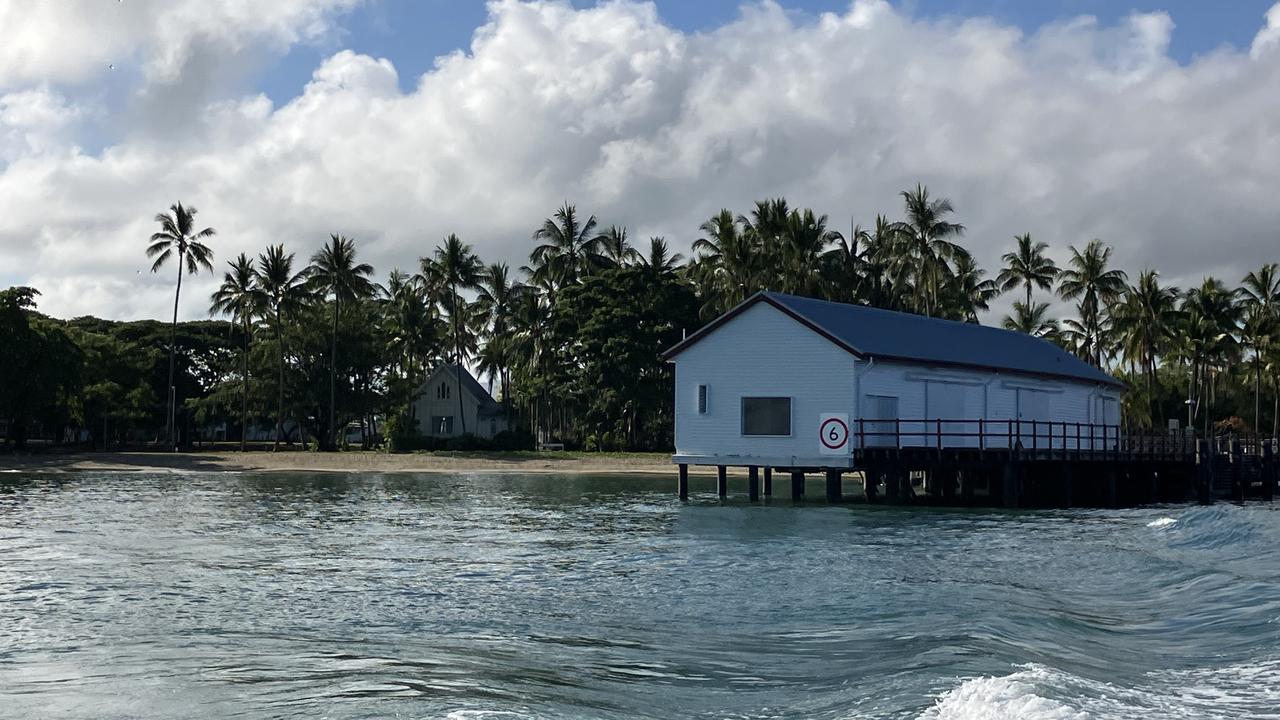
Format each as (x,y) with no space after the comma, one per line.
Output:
(487,596)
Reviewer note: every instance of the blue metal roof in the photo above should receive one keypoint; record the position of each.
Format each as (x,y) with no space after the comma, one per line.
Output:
(893,335)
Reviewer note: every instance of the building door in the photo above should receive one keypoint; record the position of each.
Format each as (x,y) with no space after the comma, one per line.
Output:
(1034,417)
(880,420)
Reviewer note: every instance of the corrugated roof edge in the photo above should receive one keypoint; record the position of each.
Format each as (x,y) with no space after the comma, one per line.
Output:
(769,297)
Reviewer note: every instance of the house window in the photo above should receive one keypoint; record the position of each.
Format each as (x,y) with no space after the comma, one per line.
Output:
(702,399)
(443,392)
(766,416)
(442,424)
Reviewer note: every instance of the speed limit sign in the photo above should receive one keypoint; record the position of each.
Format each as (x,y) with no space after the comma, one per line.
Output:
(833,434)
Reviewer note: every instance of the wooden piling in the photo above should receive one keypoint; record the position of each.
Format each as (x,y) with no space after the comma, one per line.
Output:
(753,483)
(833,485)
(1238,482)
(768,482)
(797,484)
(1068,484)
(683,484)
(722,482)
(1268,472)
(1010,484)
(870,482)
(1204,473)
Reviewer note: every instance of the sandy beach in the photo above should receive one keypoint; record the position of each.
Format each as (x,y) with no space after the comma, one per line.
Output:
(352,461)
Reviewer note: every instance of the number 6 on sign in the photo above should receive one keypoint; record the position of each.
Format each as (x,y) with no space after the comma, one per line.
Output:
(833,434)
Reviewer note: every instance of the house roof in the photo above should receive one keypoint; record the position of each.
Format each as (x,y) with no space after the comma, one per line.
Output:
(487,405)
(888,335)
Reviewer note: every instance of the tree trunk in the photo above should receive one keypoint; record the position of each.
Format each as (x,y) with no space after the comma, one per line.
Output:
(170,422)
(457,358)
(280,388)
(244,398)
(1257,392)
(333,376)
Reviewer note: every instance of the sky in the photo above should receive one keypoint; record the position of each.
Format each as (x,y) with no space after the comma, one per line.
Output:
(1154,126)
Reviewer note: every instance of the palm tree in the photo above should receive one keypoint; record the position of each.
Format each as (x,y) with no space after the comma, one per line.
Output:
(1209,321)
(802,241)
(496,298)
(568,248)
(1145,320)
(1028,267)
(1033,320)
(971,293)
(926,237)
(1260,296)
(240,297)
(727,263)
(615,248)
(335,273)
(455,266)
(1088,279)
(284,293)
(412,327)
(178,236)
(660,263)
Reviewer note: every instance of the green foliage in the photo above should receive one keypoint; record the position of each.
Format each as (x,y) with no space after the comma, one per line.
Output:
(40,366)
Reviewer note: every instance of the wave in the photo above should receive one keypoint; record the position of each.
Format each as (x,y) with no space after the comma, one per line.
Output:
(1035,692)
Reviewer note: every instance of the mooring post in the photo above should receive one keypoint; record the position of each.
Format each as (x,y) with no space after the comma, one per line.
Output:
(797,484)
(1113,498)
(683,484)
(753,483)
(768,482)
(833,485)
(892,484)
(722,482)
(1268,472)
(1010,484)
(870,482)
(1068,480)
(1238,481)
(1204,473)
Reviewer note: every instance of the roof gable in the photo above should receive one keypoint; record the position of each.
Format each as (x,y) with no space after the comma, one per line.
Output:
(890,335)
(469,383)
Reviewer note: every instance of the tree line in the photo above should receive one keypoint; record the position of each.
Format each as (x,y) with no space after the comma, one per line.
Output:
(570,341)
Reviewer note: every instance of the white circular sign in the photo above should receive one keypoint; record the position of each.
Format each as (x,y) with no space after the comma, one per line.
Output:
(834,433)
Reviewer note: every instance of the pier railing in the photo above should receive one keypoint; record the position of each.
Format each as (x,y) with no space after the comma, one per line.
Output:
(1031,437)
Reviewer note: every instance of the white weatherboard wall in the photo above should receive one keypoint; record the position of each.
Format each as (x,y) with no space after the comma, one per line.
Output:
(932,393)
(765,353)
(760,353)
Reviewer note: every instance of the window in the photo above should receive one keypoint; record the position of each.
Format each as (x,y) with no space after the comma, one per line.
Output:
(443,392)
(766,416)
(442,424)
(702,399)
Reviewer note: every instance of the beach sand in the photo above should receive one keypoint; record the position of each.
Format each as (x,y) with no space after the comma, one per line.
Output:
(351,461)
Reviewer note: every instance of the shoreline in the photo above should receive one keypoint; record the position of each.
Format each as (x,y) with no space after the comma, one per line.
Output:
(344,462)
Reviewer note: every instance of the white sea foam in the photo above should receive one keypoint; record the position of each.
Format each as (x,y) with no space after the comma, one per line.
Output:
(1162,522)
(1012,697)
(1240,692)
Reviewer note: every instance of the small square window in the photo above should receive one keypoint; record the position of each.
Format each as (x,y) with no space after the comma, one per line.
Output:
(766,416)
(702,399)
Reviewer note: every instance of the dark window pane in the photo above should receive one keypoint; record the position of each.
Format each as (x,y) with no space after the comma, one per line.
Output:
(702,399)
(766,416)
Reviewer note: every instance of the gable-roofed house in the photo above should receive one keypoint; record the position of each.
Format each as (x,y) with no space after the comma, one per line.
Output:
(754,386)
(436,406)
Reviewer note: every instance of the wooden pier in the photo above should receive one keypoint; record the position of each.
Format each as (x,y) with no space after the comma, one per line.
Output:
(1017,463)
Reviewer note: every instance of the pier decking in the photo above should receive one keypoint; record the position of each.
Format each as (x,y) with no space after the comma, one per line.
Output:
(1019,463)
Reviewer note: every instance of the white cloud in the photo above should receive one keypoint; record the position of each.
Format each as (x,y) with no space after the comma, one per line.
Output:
(1268,38)
(1076,131)
(74,41)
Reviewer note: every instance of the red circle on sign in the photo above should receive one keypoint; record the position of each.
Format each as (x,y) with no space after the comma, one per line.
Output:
(822,433)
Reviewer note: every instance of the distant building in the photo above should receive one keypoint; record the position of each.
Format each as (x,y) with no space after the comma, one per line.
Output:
(787,381)
(436,406)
